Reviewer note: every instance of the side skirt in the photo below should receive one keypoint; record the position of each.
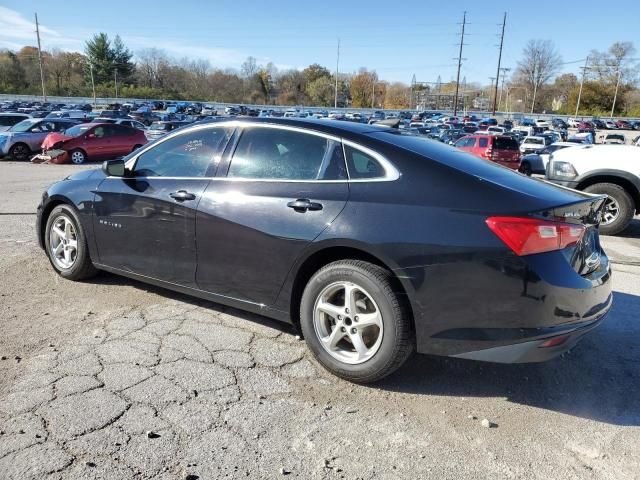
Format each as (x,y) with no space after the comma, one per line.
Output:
(258,308)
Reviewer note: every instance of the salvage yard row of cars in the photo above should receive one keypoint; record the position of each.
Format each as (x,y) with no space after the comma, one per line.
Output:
(532,147)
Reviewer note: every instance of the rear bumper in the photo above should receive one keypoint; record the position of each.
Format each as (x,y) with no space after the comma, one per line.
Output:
(503,310)
(535,350)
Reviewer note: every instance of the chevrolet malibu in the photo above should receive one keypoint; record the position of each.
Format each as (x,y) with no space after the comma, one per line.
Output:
(372,242)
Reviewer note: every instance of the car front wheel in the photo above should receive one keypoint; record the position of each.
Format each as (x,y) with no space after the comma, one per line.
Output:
(354,321)
(66,245)
(618,208)
(78,156)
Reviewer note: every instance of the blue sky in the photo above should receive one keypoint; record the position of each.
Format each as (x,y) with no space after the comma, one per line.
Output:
(397,39)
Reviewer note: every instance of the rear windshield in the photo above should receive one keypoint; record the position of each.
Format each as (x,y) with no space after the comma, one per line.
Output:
(535,141)
(505,143)
(159,126)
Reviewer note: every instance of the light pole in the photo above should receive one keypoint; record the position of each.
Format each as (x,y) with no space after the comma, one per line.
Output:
(615,96)
(93,84)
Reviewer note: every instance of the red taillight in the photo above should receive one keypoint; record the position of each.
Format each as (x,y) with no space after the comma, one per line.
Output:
(529,235)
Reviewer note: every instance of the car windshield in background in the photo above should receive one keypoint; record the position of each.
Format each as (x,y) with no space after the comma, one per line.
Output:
(22,126)
(77,130)
(505,143)
(158,126)
(535,141)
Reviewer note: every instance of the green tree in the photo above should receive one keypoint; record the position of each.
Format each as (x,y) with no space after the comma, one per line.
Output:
(100,57)
(321,91)
(122,60)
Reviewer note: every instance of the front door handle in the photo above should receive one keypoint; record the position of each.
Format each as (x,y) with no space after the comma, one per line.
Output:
(304,204)
(182,195)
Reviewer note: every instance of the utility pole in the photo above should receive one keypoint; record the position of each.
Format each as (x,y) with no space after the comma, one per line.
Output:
(455,100)
(93,84)
(504,72)
(335,102)
(615,96)
(491,79)
(115,80)
(495,93)
(535,86)
(584,72)
(413,87)
(44,93)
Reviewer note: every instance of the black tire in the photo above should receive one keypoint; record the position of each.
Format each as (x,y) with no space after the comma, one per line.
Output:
(625,203)
(525,168)
(135,147)
(82,268)
(20,152)
(398,335)
(80,156)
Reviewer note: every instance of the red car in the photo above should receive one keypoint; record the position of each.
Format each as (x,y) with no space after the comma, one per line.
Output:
(497,148)
(95,141)
(624,125)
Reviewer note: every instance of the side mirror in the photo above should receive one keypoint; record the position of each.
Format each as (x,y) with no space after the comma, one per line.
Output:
(113,168)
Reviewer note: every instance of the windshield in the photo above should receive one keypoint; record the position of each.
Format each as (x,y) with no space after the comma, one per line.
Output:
(22,126)
(158,126)
(77,130)
(535,141)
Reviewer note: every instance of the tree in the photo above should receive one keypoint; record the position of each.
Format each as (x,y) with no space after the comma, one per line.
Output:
(122,59)
(249,67)
(362,87)
(539,64)
(321,91)
(314,72)
(100,57)
(397,96)
(12,78)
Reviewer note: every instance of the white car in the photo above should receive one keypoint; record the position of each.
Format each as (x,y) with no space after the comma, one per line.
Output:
(536,163)
(573,122)
(612,170)
(611,125)
(543,123)
(496,130)
(532,144)
(614,139)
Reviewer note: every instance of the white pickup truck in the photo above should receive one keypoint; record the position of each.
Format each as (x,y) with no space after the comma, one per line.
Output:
(613,170)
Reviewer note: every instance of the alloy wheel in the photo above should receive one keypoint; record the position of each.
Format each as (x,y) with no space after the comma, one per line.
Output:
(348,322)
(611,211)
(77,157)
(20,152)
(63,242)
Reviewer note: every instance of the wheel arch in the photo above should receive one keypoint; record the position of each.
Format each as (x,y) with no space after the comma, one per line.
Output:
(320,257)
(46,211)
(623,179)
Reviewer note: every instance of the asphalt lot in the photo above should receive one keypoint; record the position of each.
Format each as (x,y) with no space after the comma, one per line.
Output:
(116,379)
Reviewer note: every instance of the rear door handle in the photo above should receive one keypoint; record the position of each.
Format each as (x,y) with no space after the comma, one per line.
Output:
(304,204)
(182,195)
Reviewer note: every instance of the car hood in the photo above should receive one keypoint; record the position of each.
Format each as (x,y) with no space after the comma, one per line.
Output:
(54,138)
(86,174)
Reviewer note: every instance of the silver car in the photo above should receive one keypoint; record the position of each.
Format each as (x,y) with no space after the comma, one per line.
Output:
(26,136)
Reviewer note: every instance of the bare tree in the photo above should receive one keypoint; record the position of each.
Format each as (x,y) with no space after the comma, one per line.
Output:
(539,64)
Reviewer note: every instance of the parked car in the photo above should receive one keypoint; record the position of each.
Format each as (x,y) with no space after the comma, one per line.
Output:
(73,114)
(496,130)
(159,129)
(463,258)
(599,124)
(501,149)
(573,122)
(25,138)
(614,139)
(95,141)
(507,125)
(8,120)
(114,113)
(559,123)
(612,170)
(127,122)
(532,144)
(624,125)
(610,125)
(544,124)
(536,163)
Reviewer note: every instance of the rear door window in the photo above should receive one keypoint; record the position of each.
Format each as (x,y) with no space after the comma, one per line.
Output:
(505,143)
(282,154)
(483,142)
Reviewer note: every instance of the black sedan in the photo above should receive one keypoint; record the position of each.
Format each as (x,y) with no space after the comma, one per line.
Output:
(373,242)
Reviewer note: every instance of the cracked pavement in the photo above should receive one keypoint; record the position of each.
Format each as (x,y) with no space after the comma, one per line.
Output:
(114,379)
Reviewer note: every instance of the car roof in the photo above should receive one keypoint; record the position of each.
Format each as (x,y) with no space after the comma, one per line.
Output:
(14,114)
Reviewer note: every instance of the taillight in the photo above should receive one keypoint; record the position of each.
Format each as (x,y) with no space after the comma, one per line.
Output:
(526,236)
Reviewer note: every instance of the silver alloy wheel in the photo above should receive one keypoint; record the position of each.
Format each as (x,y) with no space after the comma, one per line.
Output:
(611,211)
(348,322)
(63,242)
(77,157)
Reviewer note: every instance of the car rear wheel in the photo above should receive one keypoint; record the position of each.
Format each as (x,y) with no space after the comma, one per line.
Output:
(618,208)
(354,322)
(20,152)
(66,245)
(78,156)
(525,168)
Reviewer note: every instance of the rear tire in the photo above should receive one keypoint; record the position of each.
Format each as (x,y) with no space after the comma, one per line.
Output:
(20,152)
(619,209)
(78,265)
(362,339)
(525,168)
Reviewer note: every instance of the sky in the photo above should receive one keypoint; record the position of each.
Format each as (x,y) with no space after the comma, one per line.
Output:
(397,39)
